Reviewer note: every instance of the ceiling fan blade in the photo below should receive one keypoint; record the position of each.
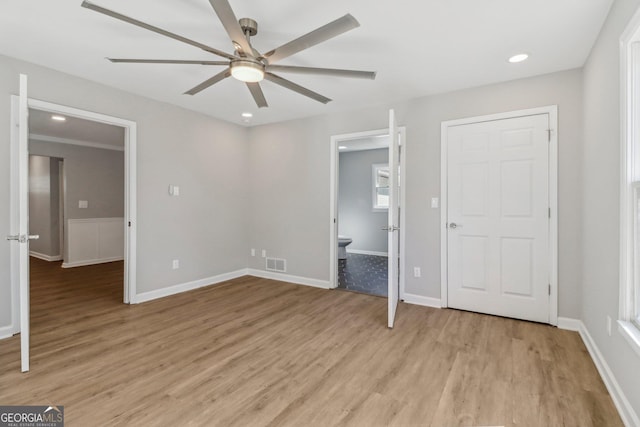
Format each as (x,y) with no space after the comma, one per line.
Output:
(296,88)
(323,71)
(166,61)
(209,82)
(324,33)
(257,94)
(149,27)
(231,25)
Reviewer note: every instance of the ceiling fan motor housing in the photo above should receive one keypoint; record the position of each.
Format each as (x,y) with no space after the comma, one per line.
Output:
(249,26)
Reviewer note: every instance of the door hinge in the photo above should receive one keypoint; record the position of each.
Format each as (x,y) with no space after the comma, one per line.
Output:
(549,212)
(549,289)
(549,135)
(129,223)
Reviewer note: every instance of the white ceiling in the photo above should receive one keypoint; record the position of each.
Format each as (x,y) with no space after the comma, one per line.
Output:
(362,144)
(75,129)
(418,47)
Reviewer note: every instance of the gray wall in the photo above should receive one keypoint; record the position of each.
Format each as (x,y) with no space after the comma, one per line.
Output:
(204,227)
(44,205)
(290,178)
(356,217)
(91,174)
(601,201)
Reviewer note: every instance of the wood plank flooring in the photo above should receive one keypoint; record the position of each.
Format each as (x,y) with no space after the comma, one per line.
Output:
(256,352)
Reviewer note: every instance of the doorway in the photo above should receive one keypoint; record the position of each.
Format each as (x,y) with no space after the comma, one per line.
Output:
(19,204)
(363,204)
(499,217)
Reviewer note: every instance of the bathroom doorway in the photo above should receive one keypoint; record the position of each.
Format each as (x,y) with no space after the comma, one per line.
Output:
(359,213)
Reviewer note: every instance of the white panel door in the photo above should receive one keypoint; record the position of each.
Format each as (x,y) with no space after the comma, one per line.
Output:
(394,218)
(498,257)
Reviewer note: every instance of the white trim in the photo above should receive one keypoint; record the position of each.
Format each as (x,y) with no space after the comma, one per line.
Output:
(45,257)
(629,172)
(45,138)
(569,324)
(628,415)
(130,177)
(7,332)
(91,262)
(189,286)
(626,411)
(323,284)
(360,252)
(552,111)
(421,300)
(630,332)
(333,200)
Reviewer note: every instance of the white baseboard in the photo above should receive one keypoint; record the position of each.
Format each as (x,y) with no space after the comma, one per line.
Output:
(90,262)
(45,257)
(7,332)
(628,415)
(420,300)
(324,284)
(360,252)
(189,286)
(570,324)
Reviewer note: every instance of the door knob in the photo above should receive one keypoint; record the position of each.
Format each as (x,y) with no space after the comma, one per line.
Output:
(23,238)
(454,225)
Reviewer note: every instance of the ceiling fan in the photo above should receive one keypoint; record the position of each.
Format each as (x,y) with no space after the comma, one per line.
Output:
(246,63)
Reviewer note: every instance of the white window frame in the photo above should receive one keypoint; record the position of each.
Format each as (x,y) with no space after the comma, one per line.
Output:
(374,173)
(629,310)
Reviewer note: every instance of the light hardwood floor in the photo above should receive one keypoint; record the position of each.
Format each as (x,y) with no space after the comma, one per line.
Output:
(256,352)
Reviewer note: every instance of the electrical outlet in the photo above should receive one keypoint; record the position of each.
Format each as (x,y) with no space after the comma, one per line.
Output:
(264,253)
(609,325)
(176,264)
(253,252)
(417,272)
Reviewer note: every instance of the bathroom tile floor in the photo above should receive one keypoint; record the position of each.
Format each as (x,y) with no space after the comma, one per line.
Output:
(363,273)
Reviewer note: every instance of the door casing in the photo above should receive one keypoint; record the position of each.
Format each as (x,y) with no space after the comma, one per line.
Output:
(552,111)
(130,211)
(333,212)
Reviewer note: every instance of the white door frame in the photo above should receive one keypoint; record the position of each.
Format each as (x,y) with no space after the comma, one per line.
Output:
(552,111)
(333,212)
(130,170)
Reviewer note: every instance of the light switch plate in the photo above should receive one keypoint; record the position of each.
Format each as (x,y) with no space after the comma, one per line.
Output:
(435,203)
(83,204)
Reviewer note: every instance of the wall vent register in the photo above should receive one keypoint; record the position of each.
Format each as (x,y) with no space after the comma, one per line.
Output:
(276,264)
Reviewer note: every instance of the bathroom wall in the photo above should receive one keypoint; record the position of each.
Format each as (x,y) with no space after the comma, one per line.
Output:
(356,217)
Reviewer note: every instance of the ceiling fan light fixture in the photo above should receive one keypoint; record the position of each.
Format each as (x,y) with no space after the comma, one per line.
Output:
(247,71)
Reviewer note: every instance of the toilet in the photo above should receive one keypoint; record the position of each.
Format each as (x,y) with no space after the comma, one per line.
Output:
(343,242)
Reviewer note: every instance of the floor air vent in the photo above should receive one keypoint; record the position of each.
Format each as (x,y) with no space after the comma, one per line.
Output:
(276,264)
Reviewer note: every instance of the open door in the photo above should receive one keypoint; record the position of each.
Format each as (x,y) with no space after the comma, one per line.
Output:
(20,225)
(394,210)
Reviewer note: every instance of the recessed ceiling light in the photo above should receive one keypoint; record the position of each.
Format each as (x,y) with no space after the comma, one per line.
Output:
(247,115)
(518,58)
(59,118)
(342,147)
